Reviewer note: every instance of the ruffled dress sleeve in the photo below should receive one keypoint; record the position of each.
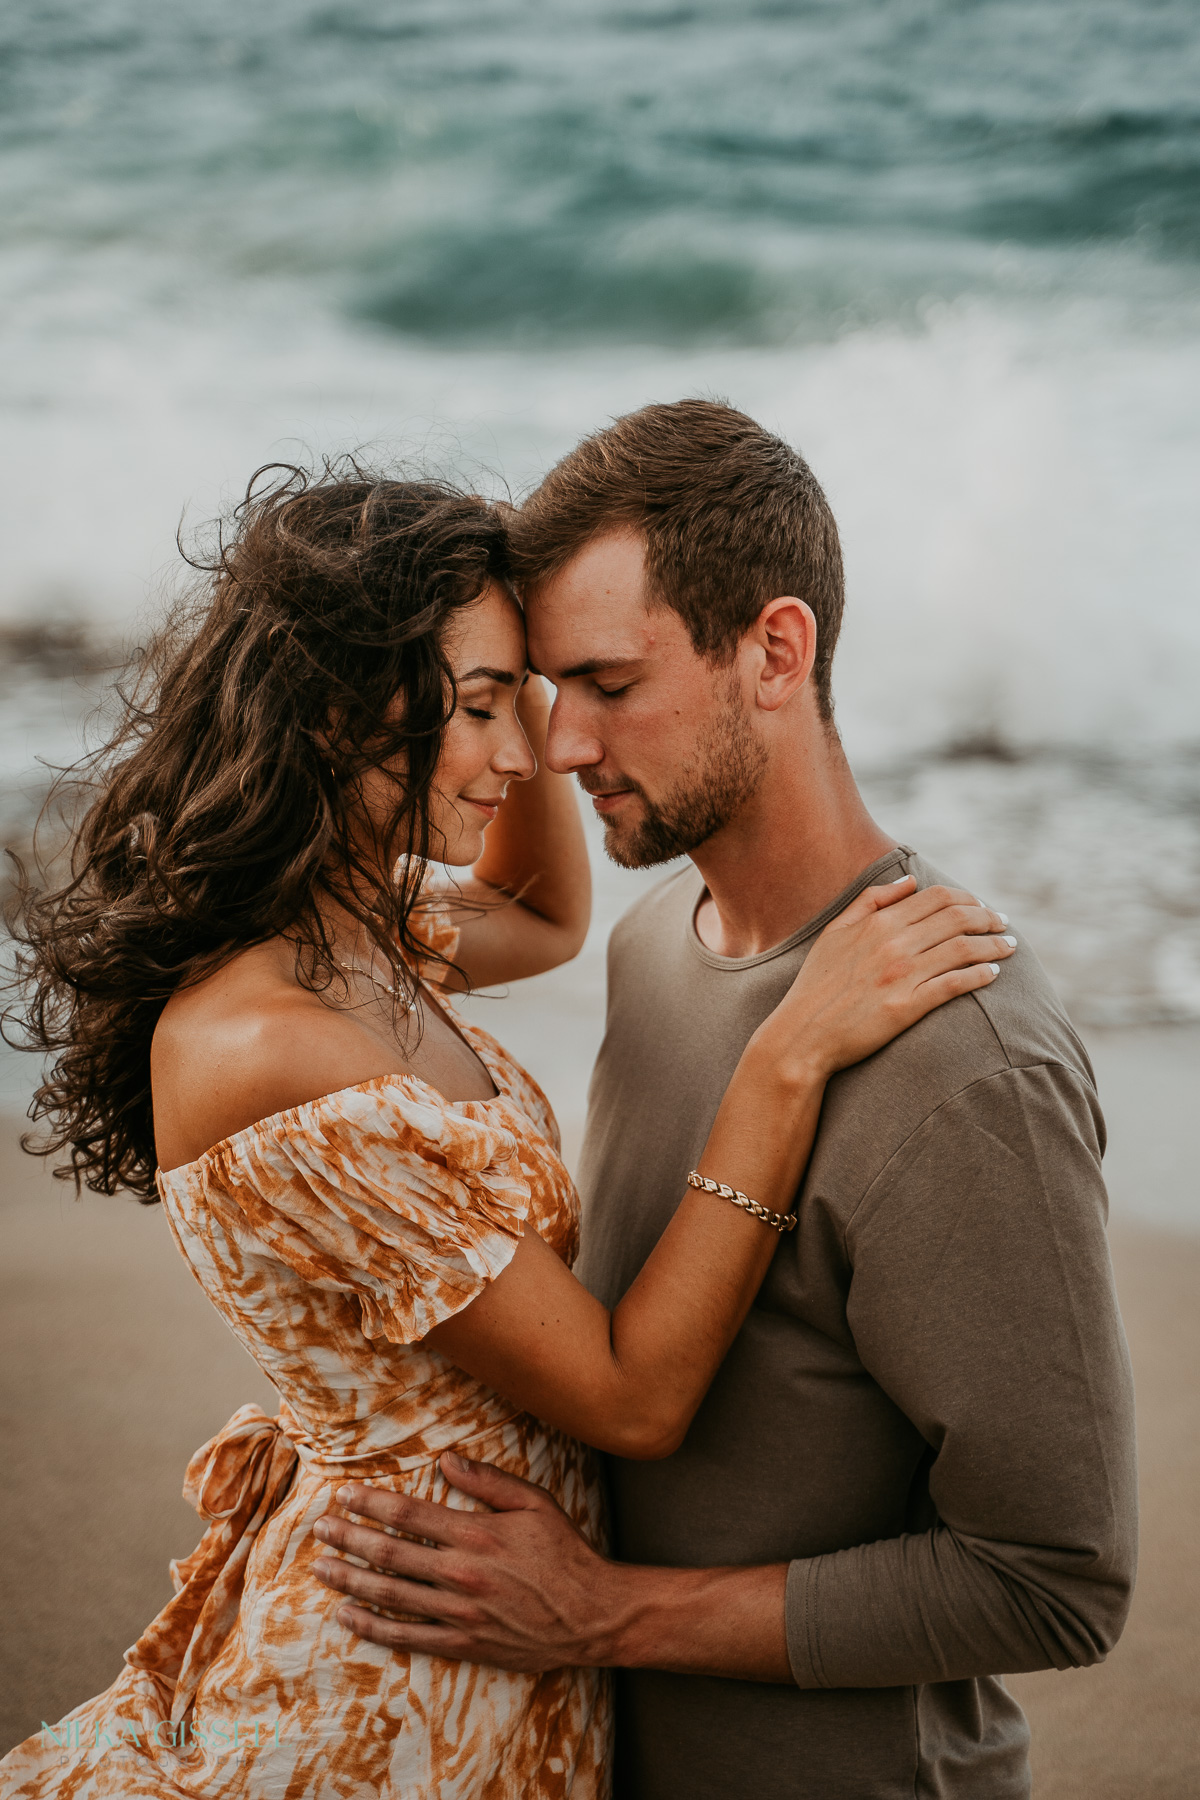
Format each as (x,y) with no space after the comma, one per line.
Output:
(383,1190)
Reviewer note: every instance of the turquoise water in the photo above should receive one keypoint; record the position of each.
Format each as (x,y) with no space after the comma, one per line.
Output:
(514,173)
(952,250)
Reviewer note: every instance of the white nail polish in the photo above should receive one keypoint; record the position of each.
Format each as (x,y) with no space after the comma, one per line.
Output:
(1009,939)
(899,879)
(1003,918)
(994,967)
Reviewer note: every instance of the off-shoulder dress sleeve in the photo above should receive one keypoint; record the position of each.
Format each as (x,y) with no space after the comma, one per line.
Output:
(384,1190)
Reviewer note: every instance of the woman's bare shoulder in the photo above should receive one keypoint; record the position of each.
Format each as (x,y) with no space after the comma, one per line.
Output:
(244,1044)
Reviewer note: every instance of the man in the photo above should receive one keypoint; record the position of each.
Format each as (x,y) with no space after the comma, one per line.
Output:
(915,1470)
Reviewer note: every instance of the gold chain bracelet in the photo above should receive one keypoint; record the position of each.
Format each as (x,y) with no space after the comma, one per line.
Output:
(777,1221)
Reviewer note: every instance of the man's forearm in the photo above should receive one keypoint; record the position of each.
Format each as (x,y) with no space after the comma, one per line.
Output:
(694,1621)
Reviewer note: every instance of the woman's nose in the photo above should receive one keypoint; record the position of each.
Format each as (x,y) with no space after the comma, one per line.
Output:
(516,758)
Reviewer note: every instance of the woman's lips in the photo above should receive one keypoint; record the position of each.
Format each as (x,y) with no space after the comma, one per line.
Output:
(489,808)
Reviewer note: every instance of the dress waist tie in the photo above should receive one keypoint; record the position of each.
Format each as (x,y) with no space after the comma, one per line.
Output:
(235,1481)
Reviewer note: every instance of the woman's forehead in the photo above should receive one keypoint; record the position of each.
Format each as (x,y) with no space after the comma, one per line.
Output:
(490,632)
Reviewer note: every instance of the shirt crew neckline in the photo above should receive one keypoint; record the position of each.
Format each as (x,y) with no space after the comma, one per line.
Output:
(732,964)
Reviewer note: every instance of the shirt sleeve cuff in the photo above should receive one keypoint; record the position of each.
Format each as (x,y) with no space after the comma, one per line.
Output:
(800,1620)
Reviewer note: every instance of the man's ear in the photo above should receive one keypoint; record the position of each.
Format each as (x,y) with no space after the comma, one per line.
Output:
(785,634)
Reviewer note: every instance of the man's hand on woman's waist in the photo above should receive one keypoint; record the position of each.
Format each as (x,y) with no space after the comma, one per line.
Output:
(521,1588)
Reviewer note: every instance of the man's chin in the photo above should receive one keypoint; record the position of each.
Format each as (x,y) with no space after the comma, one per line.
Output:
(655,835)
(635,848)
(619,850)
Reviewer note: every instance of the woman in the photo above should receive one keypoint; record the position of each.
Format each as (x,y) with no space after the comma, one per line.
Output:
(246,981)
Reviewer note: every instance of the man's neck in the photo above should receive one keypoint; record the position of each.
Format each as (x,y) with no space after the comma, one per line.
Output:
(796,845)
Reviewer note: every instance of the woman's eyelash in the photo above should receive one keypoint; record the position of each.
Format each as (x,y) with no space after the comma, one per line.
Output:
(479,712)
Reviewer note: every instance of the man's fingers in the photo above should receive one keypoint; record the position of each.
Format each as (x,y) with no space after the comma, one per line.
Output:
(451,1526)
(496,1487)
(397,1634)
(435,1640)
(401,1512)
(398,1556)
(389,1591)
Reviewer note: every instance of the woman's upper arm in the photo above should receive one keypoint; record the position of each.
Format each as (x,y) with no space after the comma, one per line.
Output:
(538,1337)
(500,939)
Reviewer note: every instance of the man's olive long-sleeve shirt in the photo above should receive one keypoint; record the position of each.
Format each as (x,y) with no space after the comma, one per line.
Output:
(928,1412)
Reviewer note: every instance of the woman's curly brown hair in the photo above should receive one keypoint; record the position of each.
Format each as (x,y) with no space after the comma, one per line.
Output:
(223,807)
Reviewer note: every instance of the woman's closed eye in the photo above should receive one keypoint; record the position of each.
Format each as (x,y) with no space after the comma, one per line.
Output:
(479,701)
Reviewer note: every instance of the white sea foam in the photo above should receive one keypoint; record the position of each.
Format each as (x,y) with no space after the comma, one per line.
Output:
(1014,491)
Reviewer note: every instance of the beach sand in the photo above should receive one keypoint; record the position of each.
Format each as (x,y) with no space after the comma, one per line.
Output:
(115,1369)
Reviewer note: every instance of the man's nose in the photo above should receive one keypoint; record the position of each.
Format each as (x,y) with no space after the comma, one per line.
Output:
(569,745)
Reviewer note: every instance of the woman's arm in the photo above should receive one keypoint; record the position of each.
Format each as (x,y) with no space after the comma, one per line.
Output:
(529,899)
(629,1381)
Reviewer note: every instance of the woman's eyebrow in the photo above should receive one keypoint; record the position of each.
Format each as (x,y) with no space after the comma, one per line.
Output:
(504,676)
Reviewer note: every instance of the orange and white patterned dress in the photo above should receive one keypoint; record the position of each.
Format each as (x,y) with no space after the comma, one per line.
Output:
(332,1238)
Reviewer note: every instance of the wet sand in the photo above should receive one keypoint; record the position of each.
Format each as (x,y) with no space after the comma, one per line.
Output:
(115,1369)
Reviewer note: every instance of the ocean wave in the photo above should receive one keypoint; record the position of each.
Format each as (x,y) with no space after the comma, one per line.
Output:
(495,173)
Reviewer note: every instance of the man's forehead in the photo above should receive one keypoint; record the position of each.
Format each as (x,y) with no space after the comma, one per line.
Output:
(594,613)
(605,574)
(567,641)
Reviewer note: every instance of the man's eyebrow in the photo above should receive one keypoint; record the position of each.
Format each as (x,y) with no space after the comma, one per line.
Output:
(505,677)
(595,663)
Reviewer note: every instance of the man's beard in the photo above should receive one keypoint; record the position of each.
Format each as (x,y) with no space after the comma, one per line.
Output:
(714,786)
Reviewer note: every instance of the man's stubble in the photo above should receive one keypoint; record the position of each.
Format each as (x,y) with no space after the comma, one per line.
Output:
(713,786)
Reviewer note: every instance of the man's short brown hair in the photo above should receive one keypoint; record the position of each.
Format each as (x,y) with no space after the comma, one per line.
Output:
(732,517)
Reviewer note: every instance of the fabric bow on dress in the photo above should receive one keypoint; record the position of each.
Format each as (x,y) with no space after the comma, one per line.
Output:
(235,1480)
